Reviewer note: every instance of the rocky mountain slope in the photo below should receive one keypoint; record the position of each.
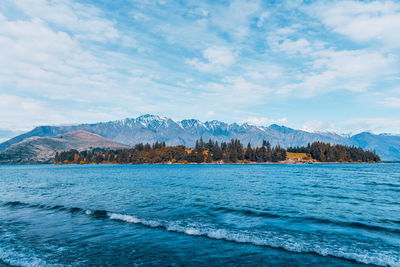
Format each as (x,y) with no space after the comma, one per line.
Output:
(151,128)
(42,149)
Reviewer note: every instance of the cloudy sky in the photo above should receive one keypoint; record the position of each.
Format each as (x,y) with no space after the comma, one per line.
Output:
(317,66)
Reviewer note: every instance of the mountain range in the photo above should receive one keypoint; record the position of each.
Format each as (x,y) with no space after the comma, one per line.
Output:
(152,128)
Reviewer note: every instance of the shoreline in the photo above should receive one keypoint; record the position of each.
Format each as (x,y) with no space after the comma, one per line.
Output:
(203,163)
(286,162)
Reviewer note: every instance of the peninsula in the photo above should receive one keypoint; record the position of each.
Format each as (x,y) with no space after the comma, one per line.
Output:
(213,152)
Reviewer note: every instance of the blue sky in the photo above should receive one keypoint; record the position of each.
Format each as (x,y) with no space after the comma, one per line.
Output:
(312,65)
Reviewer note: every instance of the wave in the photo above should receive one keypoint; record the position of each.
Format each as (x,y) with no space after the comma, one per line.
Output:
(288,242)
(14,254)
(248,212)
(285,242)
(357,225)
(102,214)
(20,204)
(11,257)
(134,219)
(15,204)
(384,184)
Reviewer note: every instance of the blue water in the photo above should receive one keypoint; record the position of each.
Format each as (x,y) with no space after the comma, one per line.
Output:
(202,215)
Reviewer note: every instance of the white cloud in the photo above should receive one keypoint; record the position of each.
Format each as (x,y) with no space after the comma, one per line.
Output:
(261,70)
(326,68)
(232,93)
(352,70)
(241,87)
(262,121)
(319,126)
(392,102)
(199,12)
(362,21)
(26,113)
(236,18)
(210,113)
(217,59)
(37,60)
(53,66)
(353,126)
(301,46)
(262,18)
(192,35)
(291,41)
(140,16)
(83,20)
(375,125)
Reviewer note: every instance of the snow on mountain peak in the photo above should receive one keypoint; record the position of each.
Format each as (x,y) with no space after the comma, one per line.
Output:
(152,121)
(190,123)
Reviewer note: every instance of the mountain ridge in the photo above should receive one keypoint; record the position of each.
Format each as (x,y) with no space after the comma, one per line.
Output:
(37,149)
(151,128)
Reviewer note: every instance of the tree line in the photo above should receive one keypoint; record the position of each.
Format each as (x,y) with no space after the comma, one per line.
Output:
(324,152)
(158,152)
(213,152)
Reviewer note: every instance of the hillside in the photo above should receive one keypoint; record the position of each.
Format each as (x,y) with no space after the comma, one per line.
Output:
(151,128)
(387,146)
(42,149)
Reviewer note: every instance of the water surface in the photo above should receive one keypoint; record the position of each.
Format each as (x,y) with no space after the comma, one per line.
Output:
(325,214)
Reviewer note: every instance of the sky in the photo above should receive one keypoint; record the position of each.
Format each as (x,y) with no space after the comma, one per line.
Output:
(311,65)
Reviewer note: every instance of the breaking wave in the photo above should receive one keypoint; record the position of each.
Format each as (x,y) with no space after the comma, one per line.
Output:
(286,242)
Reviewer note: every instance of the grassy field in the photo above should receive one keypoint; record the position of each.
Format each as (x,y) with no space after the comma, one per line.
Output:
(297,156)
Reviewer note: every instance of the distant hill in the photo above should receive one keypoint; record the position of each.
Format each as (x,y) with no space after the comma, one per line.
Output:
(42,149)
(152,128)
(386,146)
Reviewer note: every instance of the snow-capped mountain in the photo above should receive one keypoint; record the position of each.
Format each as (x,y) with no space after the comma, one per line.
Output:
(152,128)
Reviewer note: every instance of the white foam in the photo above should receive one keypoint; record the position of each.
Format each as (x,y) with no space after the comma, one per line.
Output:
(192,231)
(12,254)
(17,259)
(125,218)
(133,219)
(270,239)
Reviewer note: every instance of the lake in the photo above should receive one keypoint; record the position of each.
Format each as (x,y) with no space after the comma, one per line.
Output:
(200,215)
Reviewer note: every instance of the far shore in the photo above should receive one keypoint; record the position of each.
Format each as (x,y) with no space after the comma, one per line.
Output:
(217,163)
